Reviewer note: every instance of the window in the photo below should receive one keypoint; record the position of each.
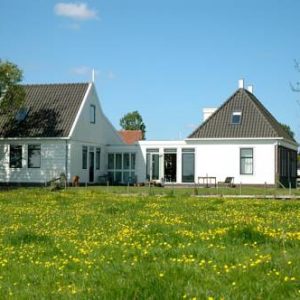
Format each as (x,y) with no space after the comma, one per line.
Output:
(170,150)
(111,161)
(133,161)
(126,161)
(98,156)
(15,156)
(84,157)
(188,165)
(34,156)
(246,161)
(236,117)
(119,161)
(121,167)
(92,114)
(22,114)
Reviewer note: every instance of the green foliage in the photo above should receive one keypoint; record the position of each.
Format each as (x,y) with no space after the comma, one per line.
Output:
(11,93)
(288,129)
(133,121)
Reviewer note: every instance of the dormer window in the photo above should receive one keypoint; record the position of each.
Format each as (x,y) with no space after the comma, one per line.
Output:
(22,114)
(236,117)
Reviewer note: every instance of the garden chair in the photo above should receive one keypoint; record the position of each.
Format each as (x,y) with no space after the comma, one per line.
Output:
(229,182)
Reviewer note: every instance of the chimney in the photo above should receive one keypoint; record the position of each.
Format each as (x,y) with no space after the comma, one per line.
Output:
(241,83)
(250,88)
(207,112)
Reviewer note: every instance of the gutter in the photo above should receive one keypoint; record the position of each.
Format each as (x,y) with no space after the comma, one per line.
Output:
(234,139)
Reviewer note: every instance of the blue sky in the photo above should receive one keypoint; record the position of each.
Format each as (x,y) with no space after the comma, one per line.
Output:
(166,59)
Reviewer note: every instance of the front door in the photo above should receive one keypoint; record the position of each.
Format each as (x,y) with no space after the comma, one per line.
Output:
(170,167)
(91,166)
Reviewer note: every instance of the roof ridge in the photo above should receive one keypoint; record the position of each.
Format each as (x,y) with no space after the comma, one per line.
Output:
(52,84)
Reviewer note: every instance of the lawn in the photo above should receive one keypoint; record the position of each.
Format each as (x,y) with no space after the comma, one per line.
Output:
(99,244)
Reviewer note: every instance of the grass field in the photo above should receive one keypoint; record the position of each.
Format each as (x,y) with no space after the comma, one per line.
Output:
(103,244)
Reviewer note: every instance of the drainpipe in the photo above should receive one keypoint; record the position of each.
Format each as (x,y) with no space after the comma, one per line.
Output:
(276,164)
(66,162)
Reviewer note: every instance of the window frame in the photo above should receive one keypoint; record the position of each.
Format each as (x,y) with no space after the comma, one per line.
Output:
(92,114)
(84,157)
(243,160)
(116,174)
(184,152)
(40,155)
(18,147)
(98,158)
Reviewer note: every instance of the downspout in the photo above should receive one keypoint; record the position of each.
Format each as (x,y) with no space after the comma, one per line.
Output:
(276,164)
(66,162)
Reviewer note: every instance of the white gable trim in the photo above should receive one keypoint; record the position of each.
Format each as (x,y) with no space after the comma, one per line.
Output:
(80,109)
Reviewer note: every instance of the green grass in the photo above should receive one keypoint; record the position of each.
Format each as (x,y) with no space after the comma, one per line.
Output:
(99,243)
(194,190)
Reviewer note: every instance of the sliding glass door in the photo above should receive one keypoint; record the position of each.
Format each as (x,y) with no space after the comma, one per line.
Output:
(152,164)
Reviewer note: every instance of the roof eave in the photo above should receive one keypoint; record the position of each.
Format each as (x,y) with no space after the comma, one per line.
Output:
(34,138)
(234,138)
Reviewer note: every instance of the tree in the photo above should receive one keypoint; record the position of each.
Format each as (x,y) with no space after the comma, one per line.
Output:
(133,121)
(12,94)
(288,129)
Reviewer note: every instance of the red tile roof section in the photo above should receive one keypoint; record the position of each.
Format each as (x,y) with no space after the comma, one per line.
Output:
(131,136)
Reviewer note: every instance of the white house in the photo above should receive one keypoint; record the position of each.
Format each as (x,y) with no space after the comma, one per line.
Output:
(62,129)
(240,139)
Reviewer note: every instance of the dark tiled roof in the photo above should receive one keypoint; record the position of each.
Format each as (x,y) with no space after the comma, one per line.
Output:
(52,111)
(256,120)
(131,136)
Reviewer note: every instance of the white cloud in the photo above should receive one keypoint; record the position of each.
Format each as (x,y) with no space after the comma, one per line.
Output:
(77,11)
